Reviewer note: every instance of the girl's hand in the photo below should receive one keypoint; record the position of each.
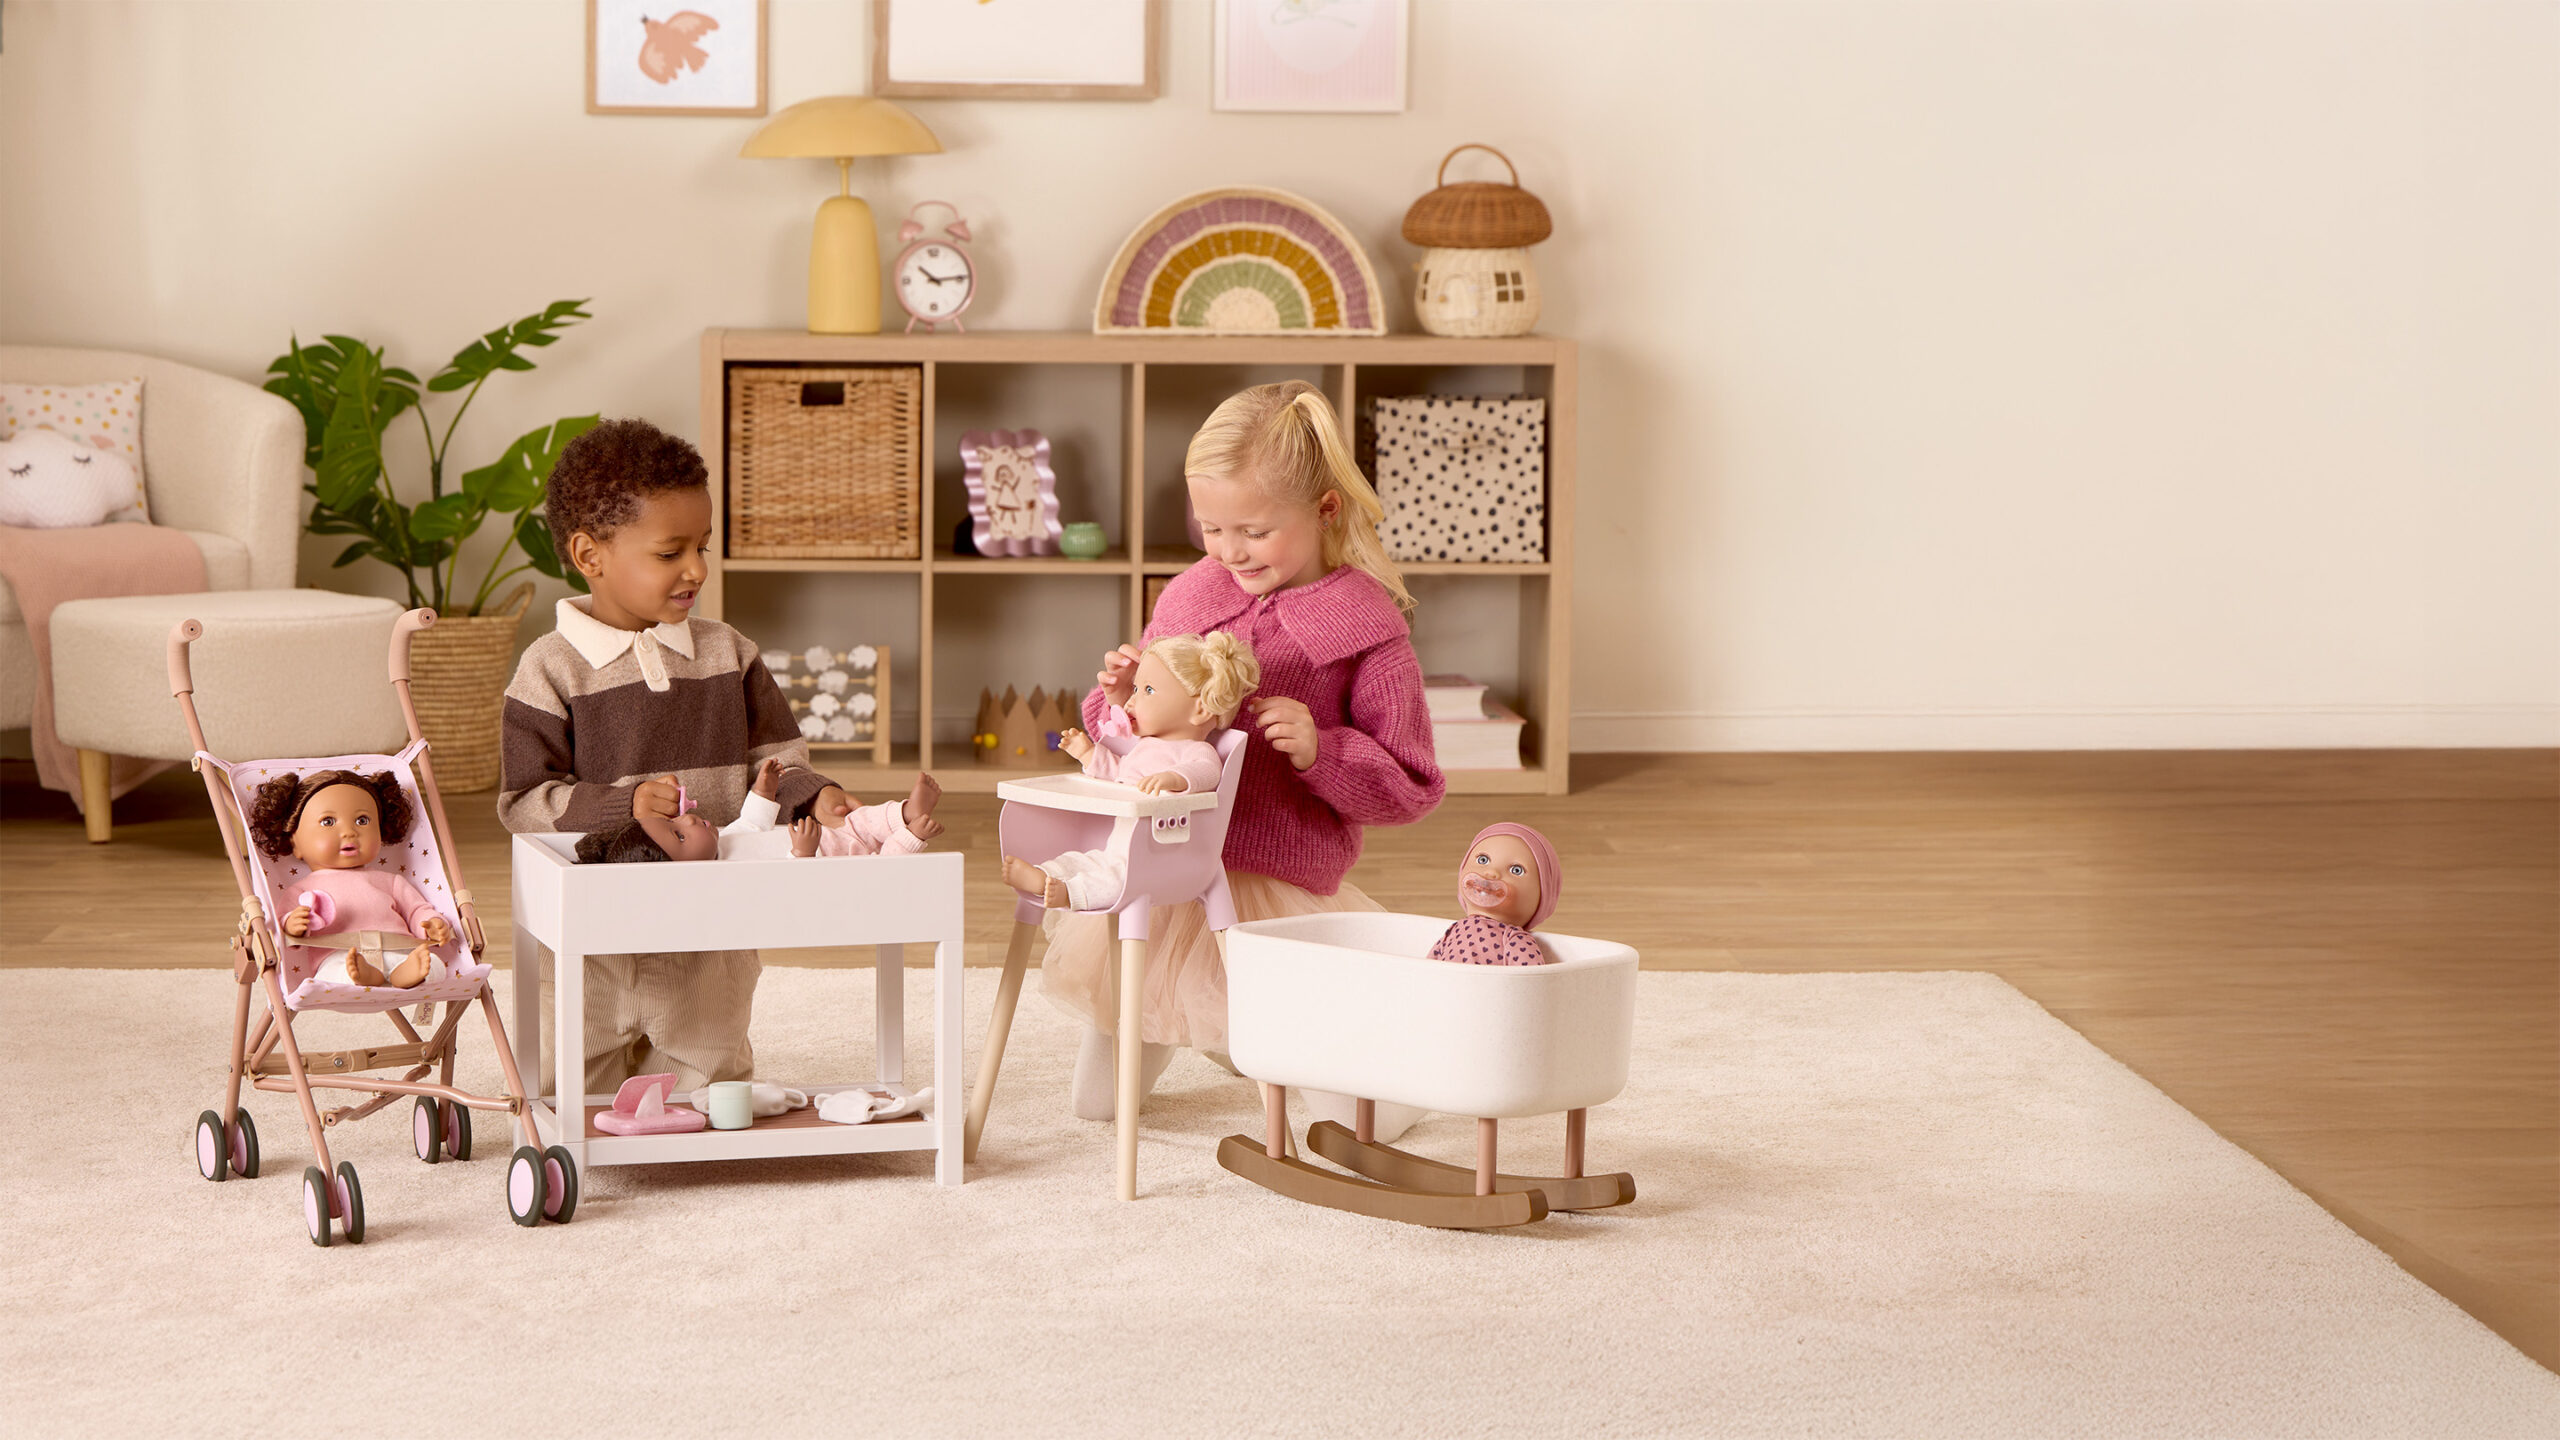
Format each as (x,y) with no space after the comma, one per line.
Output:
(804,837)
(297,921)
(1076,743)
(1290,727)
(436,931)
(1161,782)
(655,798)
(1117,675)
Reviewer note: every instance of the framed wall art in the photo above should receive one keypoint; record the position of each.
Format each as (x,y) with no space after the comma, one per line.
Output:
(1016,49)
(1309,55)
(1013,492)
(675,57)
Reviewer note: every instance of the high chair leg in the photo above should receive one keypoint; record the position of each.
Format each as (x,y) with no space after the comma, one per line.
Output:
(293,1064)
(1017,955)
(1133,974)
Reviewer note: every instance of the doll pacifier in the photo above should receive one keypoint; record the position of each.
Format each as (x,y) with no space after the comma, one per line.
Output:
(1485,891)
(324,910)
(684,802)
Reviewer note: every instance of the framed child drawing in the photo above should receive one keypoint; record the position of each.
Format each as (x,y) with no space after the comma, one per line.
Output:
(675,57)
(1309,55)
(1013,492)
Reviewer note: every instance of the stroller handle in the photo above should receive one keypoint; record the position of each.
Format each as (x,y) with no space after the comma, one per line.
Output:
(181,635)
(409,623)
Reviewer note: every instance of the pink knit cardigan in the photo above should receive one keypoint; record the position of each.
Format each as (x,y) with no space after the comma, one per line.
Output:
(1340,646)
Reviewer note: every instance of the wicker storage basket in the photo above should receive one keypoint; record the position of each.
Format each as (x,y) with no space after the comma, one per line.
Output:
(458,673)
(825,464)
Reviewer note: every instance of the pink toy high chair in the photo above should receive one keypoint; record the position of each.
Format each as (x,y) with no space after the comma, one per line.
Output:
(1173,845)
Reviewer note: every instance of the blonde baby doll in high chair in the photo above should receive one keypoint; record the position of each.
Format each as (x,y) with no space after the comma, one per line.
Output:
(1186,688)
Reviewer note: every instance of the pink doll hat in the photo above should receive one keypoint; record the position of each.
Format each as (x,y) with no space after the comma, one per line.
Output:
(1550,869)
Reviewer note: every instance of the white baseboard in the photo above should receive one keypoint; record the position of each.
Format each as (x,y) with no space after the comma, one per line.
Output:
(2295,727)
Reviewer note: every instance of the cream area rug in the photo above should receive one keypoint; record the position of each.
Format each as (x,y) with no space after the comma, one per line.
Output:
(1890,1205)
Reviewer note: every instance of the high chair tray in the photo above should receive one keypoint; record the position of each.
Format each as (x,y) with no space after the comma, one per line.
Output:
(1086,795)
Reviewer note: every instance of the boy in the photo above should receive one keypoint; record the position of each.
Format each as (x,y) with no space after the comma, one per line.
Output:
(630,698)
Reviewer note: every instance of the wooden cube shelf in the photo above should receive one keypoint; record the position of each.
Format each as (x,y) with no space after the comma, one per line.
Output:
(1351,367)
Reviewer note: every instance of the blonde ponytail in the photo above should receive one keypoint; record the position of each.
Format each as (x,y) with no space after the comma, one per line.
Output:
(1285,439)
(1217,668)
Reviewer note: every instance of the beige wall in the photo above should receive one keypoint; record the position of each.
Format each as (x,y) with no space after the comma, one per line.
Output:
(1956,374)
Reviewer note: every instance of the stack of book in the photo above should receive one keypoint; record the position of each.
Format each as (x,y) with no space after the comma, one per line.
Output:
(1468,731)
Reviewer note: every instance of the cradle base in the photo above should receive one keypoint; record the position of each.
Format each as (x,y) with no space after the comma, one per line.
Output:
(1391,1166)
(1440,1209)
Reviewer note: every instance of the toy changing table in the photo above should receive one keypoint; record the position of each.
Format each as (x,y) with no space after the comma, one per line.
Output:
(780,904)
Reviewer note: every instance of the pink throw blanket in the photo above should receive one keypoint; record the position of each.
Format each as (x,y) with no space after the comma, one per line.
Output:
(44,568)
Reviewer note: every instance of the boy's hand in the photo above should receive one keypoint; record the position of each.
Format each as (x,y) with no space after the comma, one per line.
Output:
(831,806)
(1075,743)
(769,777)
(436,931)
(297,921)
(1163,782)
(655,799)
(1290,727)
(804,837)
(1116,677)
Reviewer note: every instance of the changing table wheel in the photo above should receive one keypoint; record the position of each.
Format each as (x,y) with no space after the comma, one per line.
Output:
(213,1148)
(350,1202)
(524,1186)
(315,1205)
(426,1130)
(457,1131)
(244,1144)
(559,1185)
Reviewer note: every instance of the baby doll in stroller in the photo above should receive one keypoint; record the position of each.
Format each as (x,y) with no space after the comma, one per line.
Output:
(336,822)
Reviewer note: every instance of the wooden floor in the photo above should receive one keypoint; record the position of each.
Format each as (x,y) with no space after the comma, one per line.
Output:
(2348,963)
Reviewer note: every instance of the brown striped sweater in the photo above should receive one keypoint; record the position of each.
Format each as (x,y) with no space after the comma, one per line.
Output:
(594,711)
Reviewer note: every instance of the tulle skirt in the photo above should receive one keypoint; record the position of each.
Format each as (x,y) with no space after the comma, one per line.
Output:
(1185,999)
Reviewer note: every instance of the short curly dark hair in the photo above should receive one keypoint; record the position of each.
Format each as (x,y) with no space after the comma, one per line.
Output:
(601,479)
(627,843)
(276,807)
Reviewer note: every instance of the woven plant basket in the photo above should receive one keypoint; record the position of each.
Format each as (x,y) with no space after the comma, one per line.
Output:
(825,464)
(458,673)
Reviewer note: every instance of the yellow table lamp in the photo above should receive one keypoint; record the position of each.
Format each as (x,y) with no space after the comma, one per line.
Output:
(844,250)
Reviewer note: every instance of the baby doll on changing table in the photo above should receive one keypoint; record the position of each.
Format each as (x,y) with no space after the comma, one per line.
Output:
(336,823)
(1186,688)
(892,827)
(1508,883)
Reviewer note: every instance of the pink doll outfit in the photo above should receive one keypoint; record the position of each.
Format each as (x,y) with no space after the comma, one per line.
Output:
(758,834)
(376,913)
(1095,878)
(1483,940)
(1339,646)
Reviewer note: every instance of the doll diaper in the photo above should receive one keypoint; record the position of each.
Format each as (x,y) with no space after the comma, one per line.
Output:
(385,950)
(640,1108)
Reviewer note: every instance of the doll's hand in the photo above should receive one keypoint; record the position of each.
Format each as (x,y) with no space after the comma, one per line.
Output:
(1117,676)
(804,837)
(831,806)
(1289,726)
(655,798)
(436,931)
(1076,743)
(769,777)
(1163,782)
(924,827)
(297,921)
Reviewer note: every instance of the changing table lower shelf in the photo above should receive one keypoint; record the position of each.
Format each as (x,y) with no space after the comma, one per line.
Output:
(794,1132)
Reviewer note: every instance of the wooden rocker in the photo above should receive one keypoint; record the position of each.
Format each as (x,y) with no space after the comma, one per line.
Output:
(1350,1003)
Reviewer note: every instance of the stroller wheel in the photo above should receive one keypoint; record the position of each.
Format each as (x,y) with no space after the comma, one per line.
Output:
(426,1130)
(315,1205)
(244,1144)
(350,1202)
(524,1185)
(457,1131)
(559,1185)
(213,1148)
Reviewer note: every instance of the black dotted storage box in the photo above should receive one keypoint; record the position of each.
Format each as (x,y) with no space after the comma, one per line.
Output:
(1463,477)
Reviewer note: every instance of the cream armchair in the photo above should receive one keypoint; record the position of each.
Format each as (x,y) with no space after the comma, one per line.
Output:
(222,461)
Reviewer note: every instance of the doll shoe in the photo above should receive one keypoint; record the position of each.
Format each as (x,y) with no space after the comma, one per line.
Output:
(640,1108)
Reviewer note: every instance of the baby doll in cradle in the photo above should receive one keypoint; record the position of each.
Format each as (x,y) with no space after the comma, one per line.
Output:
(1508,883)
(1186,688)
(893,827)
(336,822)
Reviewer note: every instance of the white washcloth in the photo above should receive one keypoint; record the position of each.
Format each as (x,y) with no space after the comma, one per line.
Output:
(765,1099)
(857,1107)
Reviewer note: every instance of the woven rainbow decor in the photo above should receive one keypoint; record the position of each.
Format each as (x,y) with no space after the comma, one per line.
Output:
(1240,261)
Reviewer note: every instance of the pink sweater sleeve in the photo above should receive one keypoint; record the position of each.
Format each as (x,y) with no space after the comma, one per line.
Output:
(1380,769)
(1101,762)
(1198,766)
(872,830)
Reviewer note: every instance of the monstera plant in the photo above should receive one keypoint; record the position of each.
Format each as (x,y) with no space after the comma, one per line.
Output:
(349,399)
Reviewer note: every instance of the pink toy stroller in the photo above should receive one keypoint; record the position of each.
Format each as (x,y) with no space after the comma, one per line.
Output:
(1174,845)
(540,1185)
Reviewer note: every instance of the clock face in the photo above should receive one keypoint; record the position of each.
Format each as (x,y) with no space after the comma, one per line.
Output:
(934,281)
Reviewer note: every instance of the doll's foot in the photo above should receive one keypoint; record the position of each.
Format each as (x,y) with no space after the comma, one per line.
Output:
(361,971)
(1026,877)
(411,971)
(919,807)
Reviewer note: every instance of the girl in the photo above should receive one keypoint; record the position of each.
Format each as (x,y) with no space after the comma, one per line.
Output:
(1295,568)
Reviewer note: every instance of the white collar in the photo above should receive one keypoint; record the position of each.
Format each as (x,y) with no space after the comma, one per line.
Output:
(603,644)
